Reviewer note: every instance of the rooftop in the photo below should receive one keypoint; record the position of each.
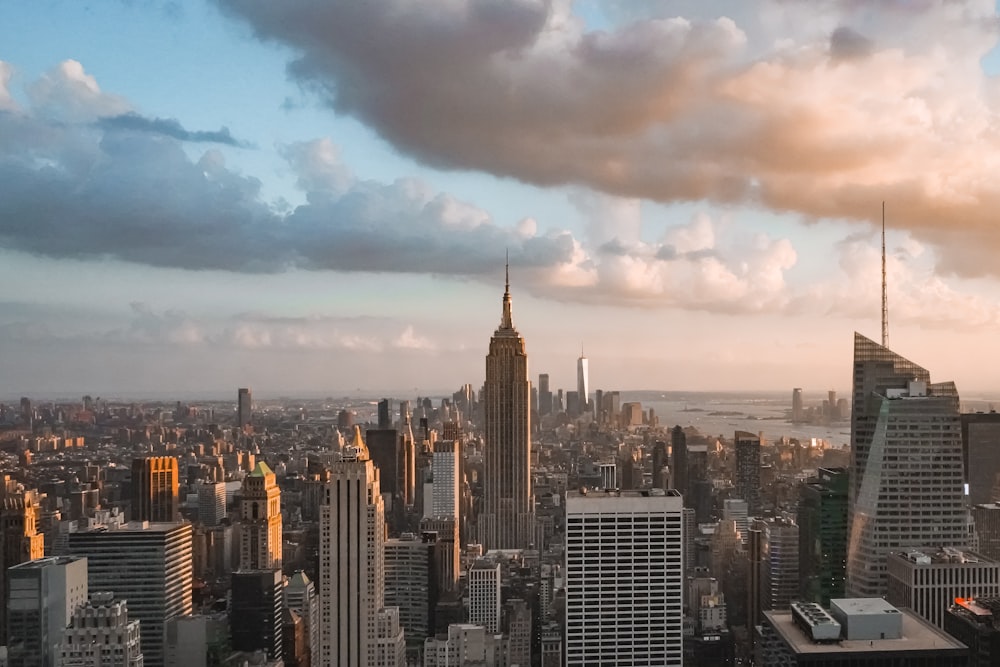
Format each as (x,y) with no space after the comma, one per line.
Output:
(918,635)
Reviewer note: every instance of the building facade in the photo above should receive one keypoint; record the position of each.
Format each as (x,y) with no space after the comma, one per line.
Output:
(906,486)
(748,469)
(352,563)
(42,596)
(624,578)
(260,521)
(927,581)
(822,519)
(154,489)
(507,517)
(101,634)
(147,564)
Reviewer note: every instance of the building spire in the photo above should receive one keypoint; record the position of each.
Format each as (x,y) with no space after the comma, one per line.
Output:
(506,322)
(885,298)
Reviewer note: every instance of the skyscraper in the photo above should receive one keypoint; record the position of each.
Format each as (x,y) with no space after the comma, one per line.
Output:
(544,395)
(583,383)
(260,521)
(256,601)
(906,464)
(154,489)
(446,489)
(44,593)
(20,540)
(678,460)
(748,469)
(822,519)
(798,411)
(484,594)
(981,456)
(302,598)
(624,578)
(148,564)
(352,563)
(507,517)
(244,408)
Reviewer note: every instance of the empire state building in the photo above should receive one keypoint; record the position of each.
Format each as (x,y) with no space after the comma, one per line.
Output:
(507,517)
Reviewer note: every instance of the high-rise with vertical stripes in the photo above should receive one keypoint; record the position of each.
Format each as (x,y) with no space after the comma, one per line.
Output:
(507,517)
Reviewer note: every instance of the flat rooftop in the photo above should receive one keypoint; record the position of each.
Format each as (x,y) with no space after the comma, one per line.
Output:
(918,635)
(619,493)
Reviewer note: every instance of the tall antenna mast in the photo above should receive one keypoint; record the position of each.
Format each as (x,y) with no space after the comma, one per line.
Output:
(885,293)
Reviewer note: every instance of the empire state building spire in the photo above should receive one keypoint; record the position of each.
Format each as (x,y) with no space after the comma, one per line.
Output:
(505,321)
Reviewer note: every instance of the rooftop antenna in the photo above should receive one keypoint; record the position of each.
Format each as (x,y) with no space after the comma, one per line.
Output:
(885,297)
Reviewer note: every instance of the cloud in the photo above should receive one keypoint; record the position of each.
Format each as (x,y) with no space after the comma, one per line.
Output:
(168,127)
(823,108)
(68,94)
(6,101)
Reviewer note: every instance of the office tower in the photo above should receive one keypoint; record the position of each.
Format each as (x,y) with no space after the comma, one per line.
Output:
(352,563)
(583,383)
(20,540)
(449,562)
(384,447)
(780,558)
(196,641)
(659,463)
(406,463)
(260,521)
(154,490)
(551,644)
(976,623)
(927,580)
(798,411)
(624,578)
(384,414)
(755,566)
(43,594)
(631,415)
(484,594)
(257,598)
(302,598)
(987,521)
(981,456)
(690,537)
(700,490)
(211,503)
(902,429)
(294,642)
(748,469)
(148,564)
(736,509)
(517,631)
(101,634)
(822,519)
(856,632)
(446,468)
(411,584)
(679,459)
(507,517)
(244,408)
(465,644)
(573,407)
(544,395)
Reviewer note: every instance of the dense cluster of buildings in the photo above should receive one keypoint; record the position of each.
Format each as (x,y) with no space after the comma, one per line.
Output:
(507,526)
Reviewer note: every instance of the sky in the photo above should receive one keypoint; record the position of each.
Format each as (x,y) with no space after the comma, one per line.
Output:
(320,197)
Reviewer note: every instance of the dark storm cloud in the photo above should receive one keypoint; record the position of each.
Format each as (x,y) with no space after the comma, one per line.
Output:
(169,127)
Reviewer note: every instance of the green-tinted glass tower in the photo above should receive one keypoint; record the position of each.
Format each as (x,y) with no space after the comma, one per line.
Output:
(822,520)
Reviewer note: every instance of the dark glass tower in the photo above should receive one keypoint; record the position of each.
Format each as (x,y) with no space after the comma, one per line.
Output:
(822,519)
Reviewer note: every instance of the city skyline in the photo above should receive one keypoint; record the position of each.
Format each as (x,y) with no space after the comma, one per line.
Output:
(694,196)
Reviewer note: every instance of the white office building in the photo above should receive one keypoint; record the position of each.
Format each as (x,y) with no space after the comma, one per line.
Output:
(302,597)
(484,595)
(101,635)
(445,491)
(624,578)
